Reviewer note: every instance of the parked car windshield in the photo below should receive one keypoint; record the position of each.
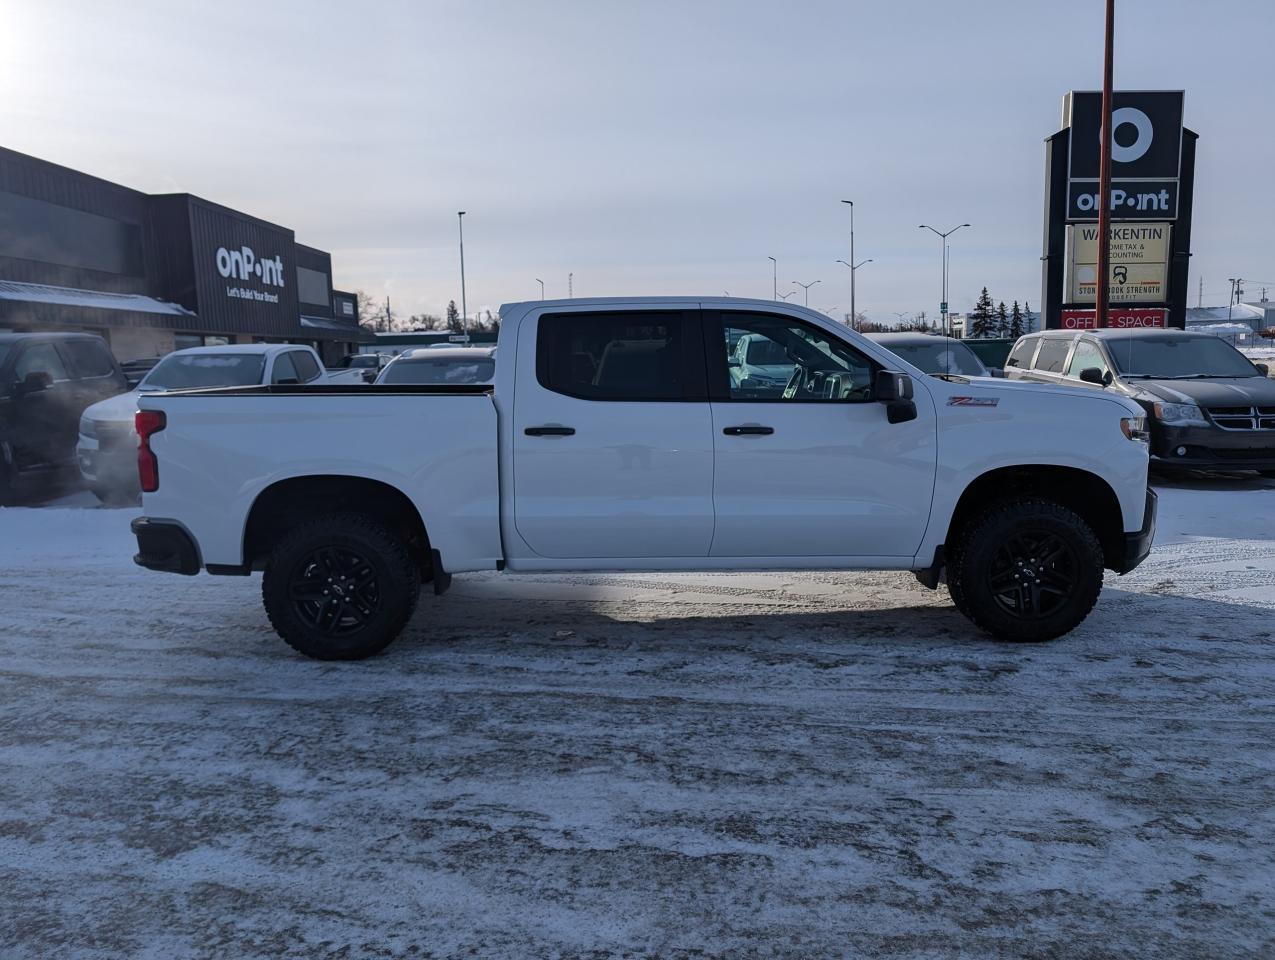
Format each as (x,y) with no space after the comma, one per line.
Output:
(441,370)
(360,360)
(194,370)
(941,356)
(1179,357)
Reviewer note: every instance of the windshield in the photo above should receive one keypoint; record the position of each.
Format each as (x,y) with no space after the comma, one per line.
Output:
(765,352)
(192,370)
(442,370)
(941,356)
(359,360)
(1181,357)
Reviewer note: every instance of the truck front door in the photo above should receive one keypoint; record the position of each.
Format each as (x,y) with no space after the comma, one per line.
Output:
(807,464)
(612,436)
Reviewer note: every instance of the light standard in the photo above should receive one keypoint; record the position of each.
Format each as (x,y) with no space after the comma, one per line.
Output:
(806,287)
(542,287)
(901,314)
(464,307)
(943,236)
(774,275)
(784,296)
(851,264)
(854,317)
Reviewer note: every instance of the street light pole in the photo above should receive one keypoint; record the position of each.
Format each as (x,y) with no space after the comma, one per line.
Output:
(854,268)
(464,307)
(542,287)
(775,275)
(784,296)
(943,235)
(806,287)
(854,317)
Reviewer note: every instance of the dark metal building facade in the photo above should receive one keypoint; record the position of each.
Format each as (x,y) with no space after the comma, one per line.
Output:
(151,272)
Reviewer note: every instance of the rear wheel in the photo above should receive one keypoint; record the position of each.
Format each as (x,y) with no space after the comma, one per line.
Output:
(340,587)
(1026,570)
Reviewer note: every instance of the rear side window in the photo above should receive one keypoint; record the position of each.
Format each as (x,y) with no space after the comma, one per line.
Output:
(284,370)
(1021,355)
(40,358)
(1053,355)
(306,368)
(89,358)
(618,356)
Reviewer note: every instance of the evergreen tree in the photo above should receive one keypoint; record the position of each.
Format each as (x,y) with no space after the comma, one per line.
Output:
(982,318)
(1016,329)
(454,323)
(1002,320)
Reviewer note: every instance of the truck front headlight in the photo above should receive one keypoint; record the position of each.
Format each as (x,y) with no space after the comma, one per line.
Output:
(1179,414)
(1135,428)
(87,427)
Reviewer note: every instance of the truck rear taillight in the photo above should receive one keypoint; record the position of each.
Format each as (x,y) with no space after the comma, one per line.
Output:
(148,422)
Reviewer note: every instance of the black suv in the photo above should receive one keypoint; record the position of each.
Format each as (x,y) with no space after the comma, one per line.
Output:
(1208,406)
(46,381)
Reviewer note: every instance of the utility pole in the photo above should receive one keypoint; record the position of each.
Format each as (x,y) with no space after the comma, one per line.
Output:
(1200,301)
(464,307)
(1103,293)
(1231,299)
(774,275)
(570,285)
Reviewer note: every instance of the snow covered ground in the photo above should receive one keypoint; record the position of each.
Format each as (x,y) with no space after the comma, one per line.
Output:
(787,765)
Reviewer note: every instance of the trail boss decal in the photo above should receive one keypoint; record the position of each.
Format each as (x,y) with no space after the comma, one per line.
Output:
(972,401)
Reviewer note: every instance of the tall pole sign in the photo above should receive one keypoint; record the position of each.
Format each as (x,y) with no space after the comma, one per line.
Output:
(1104,170)
(1118,209)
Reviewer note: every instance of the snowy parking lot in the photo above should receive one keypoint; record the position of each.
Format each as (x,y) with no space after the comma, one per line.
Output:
(780,765)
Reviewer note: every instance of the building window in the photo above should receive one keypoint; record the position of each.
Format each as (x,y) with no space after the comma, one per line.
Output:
(312,286)
(32,229)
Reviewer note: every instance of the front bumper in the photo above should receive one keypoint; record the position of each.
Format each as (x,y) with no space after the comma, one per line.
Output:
(166,546)
(1138,545)
(1212,448)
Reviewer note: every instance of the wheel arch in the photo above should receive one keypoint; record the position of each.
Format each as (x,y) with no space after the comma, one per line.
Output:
(285,503)
(1086,493)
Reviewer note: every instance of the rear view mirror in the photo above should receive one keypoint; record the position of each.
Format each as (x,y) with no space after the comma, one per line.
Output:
(34,382)
(1093,375)
(894,389)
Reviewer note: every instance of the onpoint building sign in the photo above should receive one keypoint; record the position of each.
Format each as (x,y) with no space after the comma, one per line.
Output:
(1152,170)
(243,264)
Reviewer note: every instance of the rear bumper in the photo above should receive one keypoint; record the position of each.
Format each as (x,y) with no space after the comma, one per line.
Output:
(166,546)
(1138,545)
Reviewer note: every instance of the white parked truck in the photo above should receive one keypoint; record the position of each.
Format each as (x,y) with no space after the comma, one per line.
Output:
(615,438)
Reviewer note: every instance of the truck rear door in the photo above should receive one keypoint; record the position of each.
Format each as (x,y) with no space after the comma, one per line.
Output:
(612,435)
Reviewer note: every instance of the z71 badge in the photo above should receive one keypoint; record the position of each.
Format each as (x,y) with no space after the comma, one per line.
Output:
(972,401)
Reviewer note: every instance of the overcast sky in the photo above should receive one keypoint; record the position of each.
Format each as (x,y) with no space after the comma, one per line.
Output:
(648,147)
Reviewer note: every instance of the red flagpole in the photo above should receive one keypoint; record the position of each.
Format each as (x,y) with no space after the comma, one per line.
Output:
(1104,175)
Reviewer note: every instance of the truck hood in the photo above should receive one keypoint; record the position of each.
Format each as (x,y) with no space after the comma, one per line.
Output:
(117,409)
(1009,389)
(1213,392)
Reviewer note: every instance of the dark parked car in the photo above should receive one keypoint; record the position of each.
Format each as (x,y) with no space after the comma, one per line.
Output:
(1209,407)
(934,354)
(46,381)
(135,370)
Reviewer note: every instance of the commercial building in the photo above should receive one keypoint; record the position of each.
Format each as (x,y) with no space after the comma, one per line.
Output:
(154,273)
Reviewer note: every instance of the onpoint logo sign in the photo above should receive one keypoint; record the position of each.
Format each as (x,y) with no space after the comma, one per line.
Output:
(243,264)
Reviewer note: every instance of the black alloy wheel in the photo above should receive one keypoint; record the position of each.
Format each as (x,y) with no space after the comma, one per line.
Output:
(334,591)
(1033,575)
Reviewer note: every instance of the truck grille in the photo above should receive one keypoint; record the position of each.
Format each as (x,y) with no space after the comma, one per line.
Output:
(1243,418)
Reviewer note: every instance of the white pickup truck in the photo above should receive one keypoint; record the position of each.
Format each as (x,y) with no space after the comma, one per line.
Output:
(615,438)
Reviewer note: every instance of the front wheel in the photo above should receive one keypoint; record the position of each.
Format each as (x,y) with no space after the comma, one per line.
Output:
(340,587)
(1026,570)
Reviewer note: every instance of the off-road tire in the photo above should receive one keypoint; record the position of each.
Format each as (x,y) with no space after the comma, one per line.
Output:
(972,560)
(393,573)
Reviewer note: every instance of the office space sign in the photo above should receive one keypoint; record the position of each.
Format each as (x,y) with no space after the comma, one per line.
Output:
(1146,153)
(1139,262)
(1118,317)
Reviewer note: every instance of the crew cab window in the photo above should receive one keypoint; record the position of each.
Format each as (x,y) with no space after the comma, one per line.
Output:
(1021,355)
(768,357)
(284,370)
(1053,355)
(90,359)
(1087,354)
(629,355)
(40,358)
(305,365)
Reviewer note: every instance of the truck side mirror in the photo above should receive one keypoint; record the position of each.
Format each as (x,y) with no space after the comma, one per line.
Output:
(1263,369)
(1093,375)
(894,389)
(34,382)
